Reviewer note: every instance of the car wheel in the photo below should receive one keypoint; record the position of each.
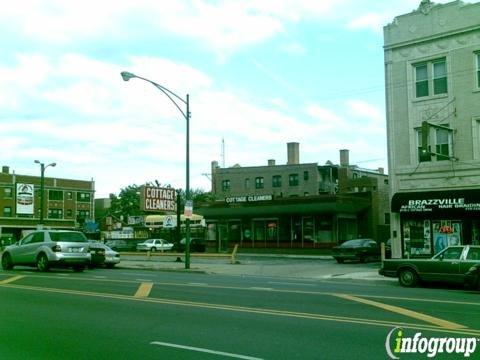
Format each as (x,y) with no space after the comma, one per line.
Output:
(109,266)
(78,268)
(42,263)
(408,278)
(153,249)
(7,263)
(362,258)
(340,261)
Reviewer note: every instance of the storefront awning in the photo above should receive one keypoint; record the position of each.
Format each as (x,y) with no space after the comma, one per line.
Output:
(458,202)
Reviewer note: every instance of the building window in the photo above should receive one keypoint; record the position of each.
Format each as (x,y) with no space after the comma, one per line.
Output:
(293,180)
(225,185)
(276,181)
(305,175)
(69,213)
(247,183)
(259,183)
(69,195)
(7,192)
(7,211)
(387,218)
(55,195)
(83,214)
(55,213)
(477,56)
(442,144)
(83,197)
(422,157)
(431,78)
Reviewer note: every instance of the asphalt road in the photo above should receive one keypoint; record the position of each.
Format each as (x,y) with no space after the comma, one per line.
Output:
(144,314)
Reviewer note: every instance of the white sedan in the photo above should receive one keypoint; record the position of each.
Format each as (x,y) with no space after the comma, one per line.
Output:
(154,245)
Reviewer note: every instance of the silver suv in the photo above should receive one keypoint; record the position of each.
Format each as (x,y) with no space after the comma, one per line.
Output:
(49,248)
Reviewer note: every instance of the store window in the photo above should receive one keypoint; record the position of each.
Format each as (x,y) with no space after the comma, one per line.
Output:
(417,238)
(259,182)
(446,233)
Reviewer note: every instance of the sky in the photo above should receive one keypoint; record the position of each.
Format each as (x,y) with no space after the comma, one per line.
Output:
(259,74)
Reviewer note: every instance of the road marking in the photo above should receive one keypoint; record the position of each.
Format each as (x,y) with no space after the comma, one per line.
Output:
(159,343)
(416,315)
(262,311)
(290,283)
(260,288)
(198,284)
(144,290)
(12,279)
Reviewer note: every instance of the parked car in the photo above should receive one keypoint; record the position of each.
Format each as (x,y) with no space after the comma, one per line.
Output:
(120,245)
(109,259)
(357,249)
(154,245)
(472,277)
(49,248)
(196,244)
(97,254)
(449,266)
(388,249)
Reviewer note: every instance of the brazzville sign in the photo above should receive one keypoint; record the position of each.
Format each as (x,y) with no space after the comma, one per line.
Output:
(158,199)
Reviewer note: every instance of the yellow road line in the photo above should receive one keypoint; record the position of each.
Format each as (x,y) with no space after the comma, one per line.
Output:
(12,279)
(416,315)
(144,290)
(263,311)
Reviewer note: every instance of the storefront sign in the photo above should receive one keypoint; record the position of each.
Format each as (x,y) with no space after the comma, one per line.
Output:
(158,199)
(467,201)
(248,199)
(25,199)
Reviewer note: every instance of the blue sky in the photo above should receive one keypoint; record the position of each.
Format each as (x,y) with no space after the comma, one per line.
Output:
(259,74)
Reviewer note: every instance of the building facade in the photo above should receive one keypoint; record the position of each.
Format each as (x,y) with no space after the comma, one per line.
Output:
(299,205)
(432,76)
(67,203)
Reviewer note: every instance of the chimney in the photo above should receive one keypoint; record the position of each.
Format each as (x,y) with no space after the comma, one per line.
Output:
(5,169)
(381,170)
(293,153)
(344,161)
(271,162)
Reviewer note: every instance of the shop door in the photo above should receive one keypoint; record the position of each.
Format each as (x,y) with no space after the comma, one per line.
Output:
(308,230)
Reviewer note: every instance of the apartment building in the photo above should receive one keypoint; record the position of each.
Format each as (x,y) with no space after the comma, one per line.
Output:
(302,205)
(432,75)
(67,204)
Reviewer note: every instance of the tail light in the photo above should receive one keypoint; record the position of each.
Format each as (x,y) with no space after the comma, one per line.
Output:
(57,248)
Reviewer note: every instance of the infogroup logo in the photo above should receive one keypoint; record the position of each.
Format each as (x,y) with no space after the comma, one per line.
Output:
(397,344)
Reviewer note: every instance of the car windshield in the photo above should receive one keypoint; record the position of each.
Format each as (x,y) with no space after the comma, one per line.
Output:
(68,236)
(353,243)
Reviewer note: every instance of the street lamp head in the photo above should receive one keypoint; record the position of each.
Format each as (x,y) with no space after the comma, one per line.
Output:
(53,164)
(37,161)
(127,75)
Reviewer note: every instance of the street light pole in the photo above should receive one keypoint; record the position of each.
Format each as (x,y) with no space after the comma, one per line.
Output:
(186,114)
(42,186)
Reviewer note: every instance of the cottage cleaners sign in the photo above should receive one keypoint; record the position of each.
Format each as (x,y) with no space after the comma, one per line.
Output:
(248,199)
(158,199)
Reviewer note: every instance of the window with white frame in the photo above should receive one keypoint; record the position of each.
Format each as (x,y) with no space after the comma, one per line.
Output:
(431,78)
(225,185)
(441,141)
(442,144)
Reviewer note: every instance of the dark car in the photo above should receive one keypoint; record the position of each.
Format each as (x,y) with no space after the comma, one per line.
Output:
(472,277)
(388,249)
(357,249)
(196,244)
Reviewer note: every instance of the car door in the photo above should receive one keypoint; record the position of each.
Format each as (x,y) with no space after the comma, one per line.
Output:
(445,266)
(26,251)
(471,257)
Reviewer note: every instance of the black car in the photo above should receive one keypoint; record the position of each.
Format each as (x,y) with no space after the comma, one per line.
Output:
(357,249)
(472,277)
(196,244)
(97,251)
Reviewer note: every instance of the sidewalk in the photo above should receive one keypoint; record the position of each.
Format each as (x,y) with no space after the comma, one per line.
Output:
(295,266)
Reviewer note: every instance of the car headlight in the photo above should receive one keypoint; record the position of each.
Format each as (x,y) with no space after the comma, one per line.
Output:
(472,269)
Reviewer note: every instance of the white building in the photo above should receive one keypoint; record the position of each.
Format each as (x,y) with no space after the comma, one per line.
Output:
(432,75)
